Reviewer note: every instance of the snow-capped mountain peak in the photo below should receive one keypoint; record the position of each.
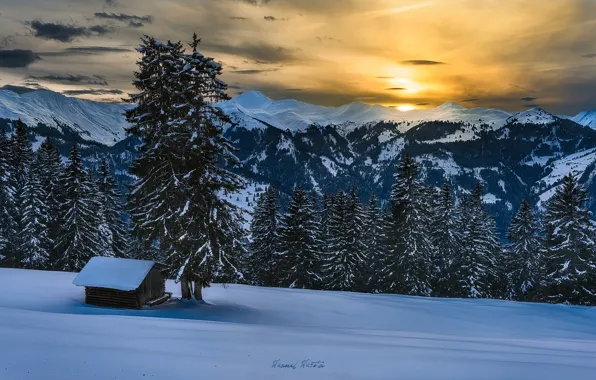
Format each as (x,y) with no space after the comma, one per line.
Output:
(533,116)
(252,109)
(252,100)
(451,106)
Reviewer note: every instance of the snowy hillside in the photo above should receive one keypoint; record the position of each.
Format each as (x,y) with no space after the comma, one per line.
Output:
(250,333)
(246,199)
(587,118)
(252,109)
(93,121)
(577,164)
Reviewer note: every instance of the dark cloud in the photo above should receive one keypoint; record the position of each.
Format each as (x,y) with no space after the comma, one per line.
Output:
(97,49)
(255,2)
(532,105)
(259,52)
(528,99)
(100,29)
(422,104)
(273,18)
(18,89)
(97,80)
(135,24)
(124,17)
(93,91)
(237,18)
(86,50)
(111,3)
(326,38)
(253,71)
(65,32)
(396,88)
(421,62)
(591,55)
(17,58)
(470,100)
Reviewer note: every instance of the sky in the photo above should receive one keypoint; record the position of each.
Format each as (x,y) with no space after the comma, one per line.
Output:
(509,54)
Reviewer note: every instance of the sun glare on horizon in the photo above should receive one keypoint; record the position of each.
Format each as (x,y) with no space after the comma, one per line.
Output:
(405,107)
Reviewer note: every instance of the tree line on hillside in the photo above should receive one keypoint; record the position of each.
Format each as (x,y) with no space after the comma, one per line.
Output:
(425,244)
(56,215)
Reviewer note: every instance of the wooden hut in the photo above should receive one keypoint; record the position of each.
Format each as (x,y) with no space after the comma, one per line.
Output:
(123,283)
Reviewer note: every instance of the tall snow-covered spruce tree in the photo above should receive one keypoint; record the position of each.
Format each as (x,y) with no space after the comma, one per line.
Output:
(344,262)
(299,248)
(176,203)
(264,260)
(112,231)
(447,239)
(523,256)
(5,196)
(474,268)
(407,267)
(372,239)
(49,164)
(78,240)
(20,160)
(37,244)
(570,246)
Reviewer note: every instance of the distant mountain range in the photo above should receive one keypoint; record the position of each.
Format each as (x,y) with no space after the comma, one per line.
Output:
(286,143)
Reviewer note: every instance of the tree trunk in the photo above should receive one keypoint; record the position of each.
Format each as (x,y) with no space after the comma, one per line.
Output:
(185,288)
(198,293)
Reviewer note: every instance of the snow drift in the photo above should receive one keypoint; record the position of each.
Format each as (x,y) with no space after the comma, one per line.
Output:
(243,332)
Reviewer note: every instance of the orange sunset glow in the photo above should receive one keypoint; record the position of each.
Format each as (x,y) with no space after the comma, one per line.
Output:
(400,53)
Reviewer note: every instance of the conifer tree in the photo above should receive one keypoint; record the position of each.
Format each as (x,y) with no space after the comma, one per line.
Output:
(474,267)
(49,164)
(79,238)
(20,160)
(299,257)
(139,250)
(523,257)
(372,240)
(177,202)
(343,264)
(5,196)
(324,214)
(570,247)
(447,240)
(407,265)
(112,232)
(37,245)
(264,246)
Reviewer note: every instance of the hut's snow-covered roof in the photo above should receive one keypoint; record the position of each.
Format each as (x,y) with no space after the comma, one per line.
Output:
(113,273)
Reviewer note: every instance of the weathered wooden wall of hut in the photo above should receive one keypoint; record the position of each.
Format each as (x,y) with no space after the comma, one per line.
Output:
(113,298)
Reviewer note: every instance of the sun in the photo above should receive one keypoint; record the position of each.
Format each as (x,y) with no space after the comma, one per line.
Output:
(405,107)
(408,85)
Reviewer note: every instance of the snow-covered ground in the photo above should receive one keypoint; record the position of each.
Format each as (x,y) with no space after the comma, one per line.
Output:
(243,332)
